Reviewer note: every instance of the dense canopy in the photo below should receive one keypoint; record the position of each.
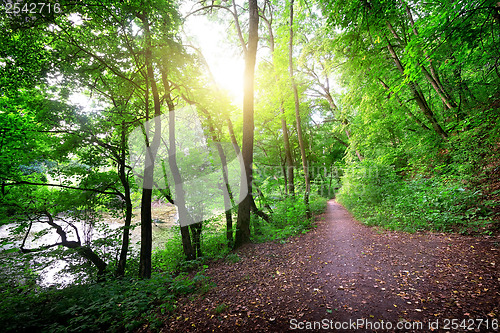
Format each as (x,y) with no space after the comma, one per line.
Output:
(122,156)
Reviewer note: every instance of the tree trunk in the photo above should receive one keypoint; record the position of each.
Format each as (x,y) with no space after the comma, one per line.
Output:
(289,174)
(185,219)
(259,212)
(417,94)
(433,77)
(408,111)
(243,222)
(120,268)
(196,229)
(297,116)
(89,254)
(226,188)
(328,96)
(83,250)
(288,155)
(151,151)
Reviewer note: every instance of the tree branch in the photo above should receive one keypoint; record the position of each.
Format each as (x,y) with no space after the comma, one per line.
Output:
(23,182)
(236,21)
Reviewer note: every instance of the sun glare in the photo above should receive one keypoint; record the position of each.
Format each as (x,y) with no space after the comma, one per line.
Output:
(226,66)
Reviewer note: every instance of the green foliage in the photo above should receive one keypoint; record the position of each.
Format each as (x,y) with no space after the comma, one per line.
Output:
(170,258)
(114,306)
(221,308)
(376,195)
(289,218)
(233,258)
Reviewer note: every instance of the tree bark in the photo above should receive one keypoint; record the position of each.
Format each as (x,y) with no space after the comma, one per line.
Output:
(408,111)
(243,222)
(288,155)
(180,198)
(289,175)
(297,116)
(83,250)
(417,94)
(151,151)
(433,77)
(196,229)
(120,268)
(226,188)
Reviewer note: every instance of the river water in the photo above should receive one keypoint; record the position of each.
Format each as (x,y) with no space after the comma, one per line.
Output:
(50,271)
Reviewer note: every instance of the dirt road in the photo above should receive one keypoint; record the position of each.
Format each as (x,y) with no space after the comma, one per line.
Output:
(344,276)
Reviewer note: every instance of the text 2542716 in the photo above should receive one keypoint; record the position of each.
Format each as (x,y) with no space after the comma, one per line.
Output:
(17,8)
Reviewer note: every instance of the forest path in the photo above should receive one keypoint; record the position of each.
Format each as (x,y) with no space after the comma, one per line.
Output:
(345,274)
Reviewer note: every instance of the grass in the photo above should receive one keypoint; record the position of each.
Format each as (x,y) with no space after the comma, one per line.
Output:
(379,197)
(289,219)
(125,304)
(113,306)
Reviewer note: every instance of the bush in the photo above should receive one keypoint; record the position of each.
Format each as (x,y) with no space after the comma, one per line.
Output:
(289,218)
(111,306)
(377,196)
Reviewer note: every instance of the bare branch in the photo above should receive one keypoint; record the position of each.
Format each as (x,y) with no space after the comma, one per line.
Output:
(23,182)
(235,17)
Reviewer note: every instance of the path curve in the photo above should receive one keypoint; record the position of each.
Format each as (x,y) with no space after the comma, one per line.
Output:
(345,274)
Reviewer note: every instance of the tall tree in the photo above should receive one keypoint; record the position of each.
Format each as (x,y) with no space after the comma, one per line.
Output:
(245,206)
(300,136)
(105,55)
(270,10)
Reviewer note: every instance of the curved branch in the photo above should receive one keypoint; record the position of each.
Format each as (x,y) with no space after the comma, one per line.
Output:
(235,17)
(84,251)
(23,182)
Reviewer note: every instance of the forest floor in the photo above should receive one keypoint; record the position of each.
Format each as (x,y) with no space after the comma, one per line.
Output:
(343,274)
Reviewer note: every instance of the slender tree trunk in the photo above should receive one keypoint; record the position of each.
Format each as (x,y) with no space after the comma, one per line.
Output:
(196,229)
(328,96)
(226,188)
(417,94)
(151,151)
(285,177)
(408,111)
(232,136)
(259,212)
(433,77)
(228,196)
(120,268)
(243,222)
(289,175)
(297,115)
(288,155)
(185,219)
(446,99)
(89,254)
(85,251)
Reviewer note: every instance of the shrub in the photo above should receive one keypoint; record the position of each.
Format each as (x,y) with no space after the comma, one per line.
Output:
(111,306)
(377,196)
(289,218)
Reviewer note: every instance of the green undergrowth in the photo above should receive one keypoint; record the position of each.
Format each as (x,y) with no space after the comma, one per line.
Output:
(377,196)
(125,304)
(170,258)
(115,305)
(289,219)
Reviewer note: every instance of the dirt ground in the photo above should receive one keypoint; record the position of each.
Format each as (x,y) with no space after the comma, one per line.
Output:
(344,276)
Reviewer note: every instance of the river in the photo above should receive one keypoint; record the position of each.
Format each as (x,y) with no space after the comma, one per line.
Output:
(49,271)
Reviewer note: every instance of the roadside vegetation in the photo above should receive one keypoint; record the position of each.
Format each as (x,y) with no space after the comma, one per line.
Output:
(391,107)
